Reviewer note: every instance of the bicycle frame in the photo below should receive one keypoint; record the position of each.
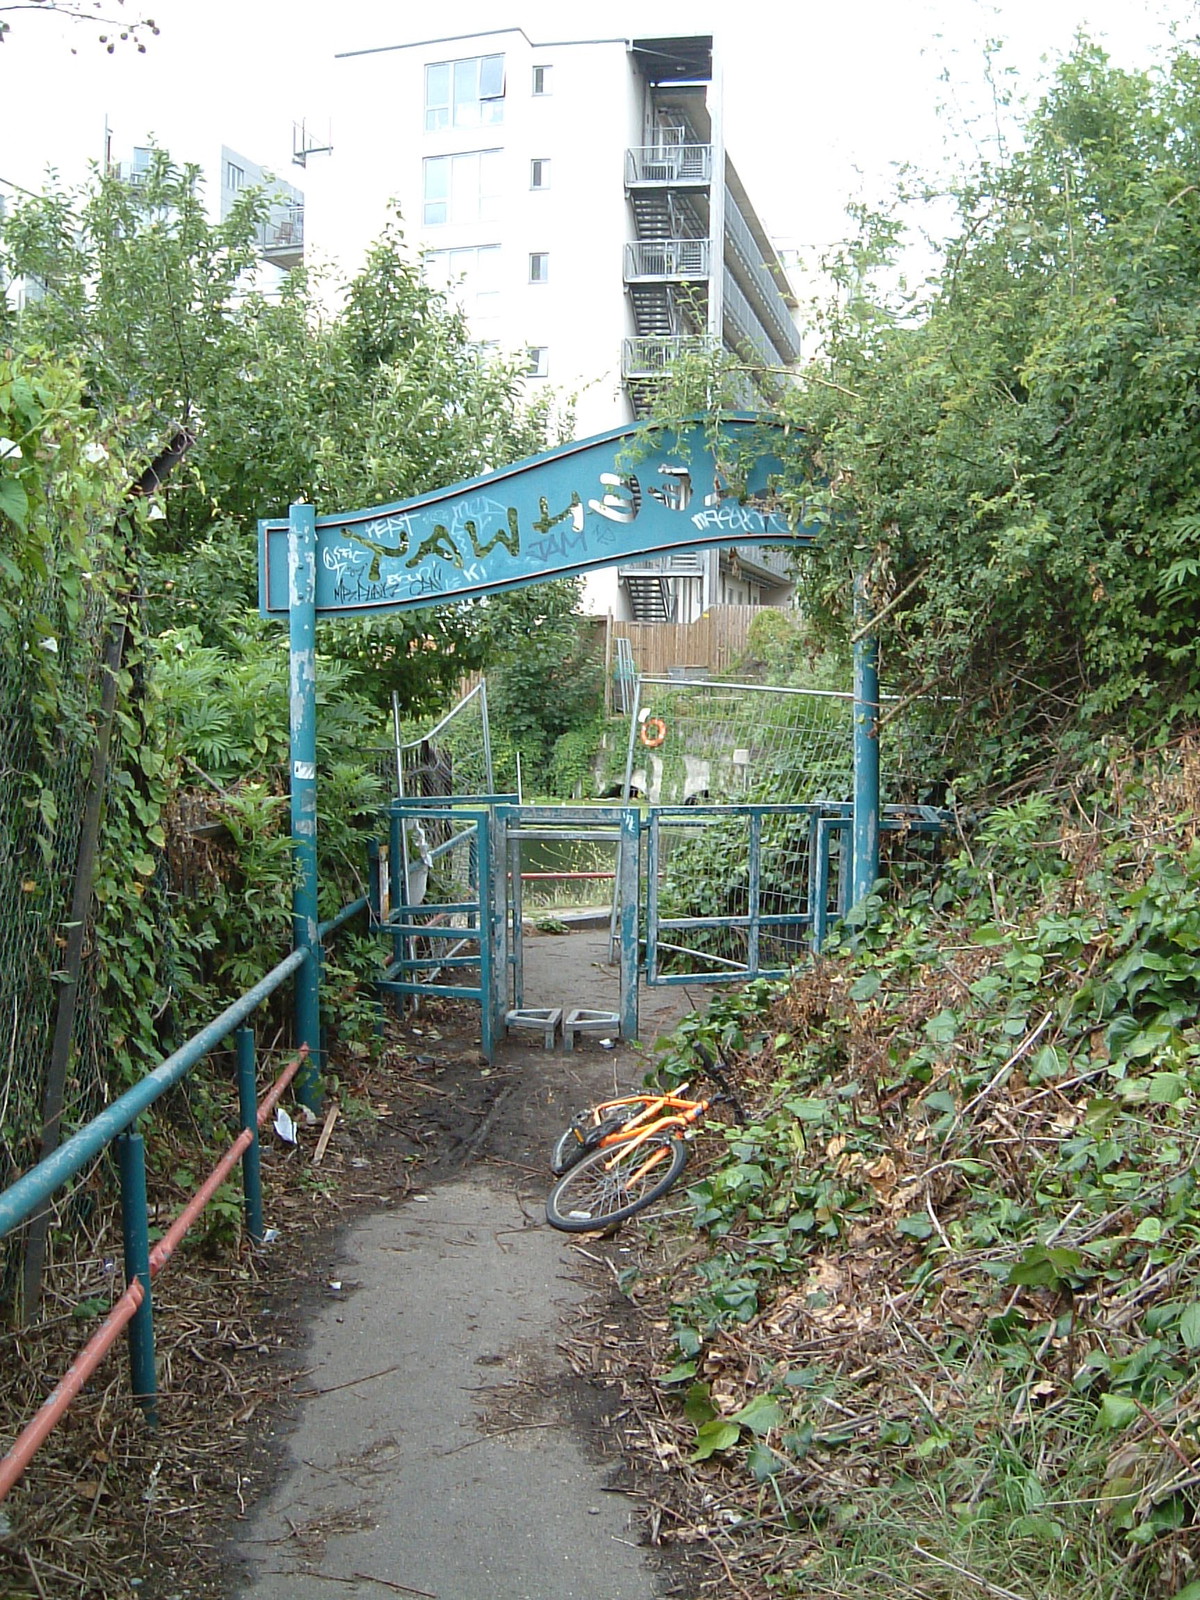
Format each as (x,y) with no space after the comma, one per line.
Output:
(682,1114)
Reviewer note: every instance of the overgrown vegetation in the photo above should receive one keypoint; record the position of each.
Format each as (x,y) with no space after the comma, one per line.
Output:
(140,327)
(1015,457)
(943,1322)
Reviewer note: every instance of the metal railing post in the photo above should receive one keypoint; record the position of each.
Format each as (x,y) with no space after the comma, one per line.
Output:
(479,854)
(248,1108)
(135,1229)
(818,881)
(628,894)
(497,872)
(374,880)
(302,700)
(865,868)
(375,913)
(754,890)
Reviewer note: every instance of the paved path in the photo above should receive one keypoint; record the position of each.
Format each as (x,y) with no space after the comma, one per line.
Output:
(454,1469)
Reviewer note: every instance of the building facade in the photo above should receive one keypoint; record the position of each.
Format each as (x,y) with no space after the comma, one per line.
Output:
(281,233)
(577,198)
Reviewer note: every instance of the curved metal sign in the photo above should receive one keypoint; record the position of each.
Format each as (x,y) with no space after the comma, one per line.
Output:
(614,497)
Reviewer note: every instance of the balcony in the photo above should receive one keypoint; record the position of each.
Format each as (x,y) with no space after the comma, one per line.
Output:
(677,166)
(747,329)
(281,237)
(677,259)
(764,293)
(680,564)
(652,357)
(773,565)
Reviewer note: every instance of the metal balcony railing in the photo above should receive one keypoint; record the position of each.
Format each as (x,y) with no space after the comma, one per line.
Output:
(772,308)
(667,258)
(776,562)
(281,238)
(651,357)
(682,564)
(677,164)
(746,324)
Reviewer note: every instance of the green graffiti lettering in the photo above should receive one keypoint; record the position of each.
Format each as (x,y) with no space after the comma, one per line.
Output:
(438,543)
(545,522)
(510,540)
(380,550)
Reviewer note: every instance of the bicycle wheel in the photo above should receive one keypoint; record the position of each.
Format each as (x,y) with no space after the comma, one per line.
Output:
(612,1184)
(580,1138)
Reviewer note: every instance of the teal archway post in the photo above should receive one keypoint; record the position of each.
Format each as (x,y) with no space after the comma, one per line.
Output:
(865,853)
(622,495)
(302,722)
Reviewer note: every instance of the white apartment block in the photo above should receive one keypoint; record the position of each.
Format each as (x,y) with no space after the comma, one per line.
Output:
(577,198)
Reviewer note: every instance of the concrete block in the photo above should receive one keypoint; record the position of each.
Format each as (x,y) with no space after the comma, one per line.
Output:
(536,1019)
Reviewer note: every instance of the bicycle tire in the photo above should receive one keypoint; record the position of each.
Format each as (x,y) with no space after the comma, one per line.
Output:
(570,1149)
(614,1184)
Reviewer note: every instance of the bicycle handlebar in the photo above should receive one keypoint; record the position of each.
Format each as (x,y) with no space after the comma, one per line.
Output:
(717,1074)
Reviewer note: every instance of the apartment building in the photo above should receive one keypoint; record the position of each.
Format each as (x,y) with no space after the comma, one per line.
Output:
(576,196)
(281,232)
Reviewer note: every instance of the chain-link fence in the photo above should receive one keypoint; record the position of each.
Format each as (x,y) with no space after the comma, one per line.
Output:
(44,778)
(692,741)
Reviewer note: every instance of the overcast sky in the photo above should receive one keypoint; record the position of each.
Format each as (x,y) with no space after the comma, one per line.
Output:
(823,102)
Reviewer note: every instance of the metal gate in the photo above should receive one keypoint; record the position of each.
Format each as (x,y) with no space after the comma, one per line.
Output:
(702,894)
(444,909)
(734,892)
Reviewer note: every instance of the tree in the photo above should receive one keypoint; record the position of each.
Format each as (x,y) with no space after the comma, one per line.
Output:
(1015,459)
(548,682)
(94,14)
(383,398)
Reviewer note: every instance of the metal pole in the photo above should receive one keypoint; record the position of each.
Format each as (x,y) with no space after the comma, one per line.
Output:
(131,1156)
(302,699)
(248,1109)
(375,915)
(754,897)
(489,775)
(497,873)
(480,841)
(866,748)
(628,893)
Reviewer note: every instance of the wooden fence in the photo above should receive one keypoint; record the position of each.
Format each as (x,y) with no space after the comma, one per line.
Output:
(714,641)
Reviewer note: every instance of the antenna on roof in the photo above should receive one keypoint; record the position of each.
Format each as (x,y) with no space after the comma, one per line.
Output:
(305,144)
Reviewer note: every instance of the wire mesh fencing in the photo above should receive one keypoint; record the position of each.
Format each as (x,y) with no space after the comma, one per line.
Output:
(693,743)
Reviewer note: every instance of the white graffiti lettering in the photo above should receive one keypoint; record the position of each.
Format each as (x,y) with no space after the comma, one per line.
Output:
(615,506)
(730,519)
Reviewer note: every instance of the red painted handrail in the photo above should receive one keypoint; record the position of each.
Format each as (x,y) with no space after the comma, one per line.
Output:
(52,1409)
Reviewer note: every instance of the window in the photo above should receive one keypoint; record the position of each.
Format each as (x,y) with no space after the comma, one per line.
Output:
(463,188)
(541,80)
(539,266)
(464,94)
(235,176)
(537,361)
(470,276)
(539,173)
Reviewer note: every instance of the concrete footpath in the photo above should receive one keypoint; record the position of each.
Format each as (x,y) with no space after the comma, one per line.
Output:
(443,1453)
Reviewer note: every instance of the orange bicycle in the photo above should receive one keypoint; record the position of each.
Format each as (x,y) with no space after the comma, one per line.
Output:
(620,1156)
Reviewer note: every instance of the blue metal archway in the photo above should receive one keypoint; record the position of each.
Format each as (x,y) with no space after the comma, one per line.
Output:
(635,491)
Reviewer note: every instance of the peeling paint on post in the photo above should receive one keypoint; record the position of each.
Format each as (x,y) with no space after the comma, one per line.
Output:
(866,748)
(302,702)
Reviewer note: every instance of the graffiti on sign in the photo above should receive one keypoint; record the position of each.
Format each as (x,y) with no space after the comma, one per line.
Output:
(556,515)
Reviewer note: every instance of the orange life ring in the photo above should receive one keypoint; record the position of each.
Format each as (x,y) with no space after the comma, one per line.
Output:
(653,740)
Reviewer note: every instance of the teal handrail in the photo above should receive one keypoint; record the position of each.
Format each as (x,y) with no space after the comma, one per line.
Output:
(35,1187)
